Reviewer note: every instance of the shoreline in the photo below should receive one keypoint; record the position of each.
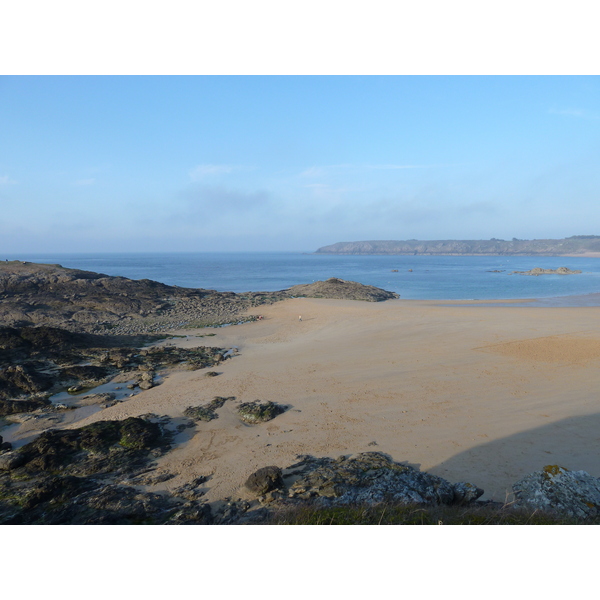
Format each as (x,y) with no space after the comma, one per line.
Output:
(484,394)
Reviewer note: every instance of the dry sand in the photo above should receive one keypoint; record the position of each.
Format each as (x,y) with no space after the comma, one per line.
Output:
(484,394)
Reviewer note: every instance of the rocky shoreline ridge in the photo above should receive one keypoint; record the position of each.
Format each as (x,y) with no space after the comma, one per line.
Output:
(33,294)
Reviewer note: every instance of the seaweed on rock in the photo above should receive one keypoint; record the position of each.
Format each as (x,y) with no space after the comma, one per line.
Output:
(259,412)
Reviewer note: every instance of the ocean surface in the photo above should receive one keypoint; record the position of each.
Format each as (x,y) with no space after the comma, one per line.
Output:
(418,277)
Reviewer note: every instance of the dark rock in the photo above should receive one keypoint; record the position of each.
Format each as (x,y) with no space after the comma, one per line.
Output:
(100,447)
(557,490)
(259,412)
(191,490)
(11,460)
(465,493)
(231,512)
(88,373)
(207,412)
(191,513)
(151,478)
(264,480)
(19,405)
(91,399)
(16,380)
(64,476)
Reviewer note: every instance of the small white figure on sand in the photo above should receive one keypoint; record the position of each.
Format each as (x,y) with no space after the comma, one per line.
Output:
(300,318)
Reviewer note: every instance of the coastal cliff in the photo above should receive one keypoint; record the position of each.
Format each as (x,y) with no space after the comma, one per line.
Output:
(575,245)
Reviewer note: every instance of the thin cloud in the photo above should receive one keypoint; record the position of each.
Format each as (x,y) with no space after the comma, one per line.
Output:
(6,180)
(574,112)
(203,199)
(394,167)
(319,171)
(90,181)
(199,172)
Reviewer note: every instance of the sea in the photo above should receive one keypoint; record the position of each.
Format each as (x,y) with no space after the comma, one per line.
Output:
(413,277)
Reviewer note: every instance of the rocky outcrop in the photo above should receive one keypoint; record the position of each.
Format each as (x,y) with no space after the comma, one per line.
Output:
(539,271)
(342,290)
(82,301)
(371,478)
(557,490)
(38,362)
(259,412)
(88,475)
(17,380)
(38,294)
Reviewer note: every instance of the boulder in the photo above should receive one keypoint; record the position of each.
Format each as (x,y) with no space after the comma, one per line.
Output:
(554,489)
(464,493)
(264,480)
(259,412)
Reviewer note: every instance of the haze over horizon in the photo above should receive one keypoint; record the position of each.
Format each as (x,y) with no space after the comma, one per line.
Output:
(241,163)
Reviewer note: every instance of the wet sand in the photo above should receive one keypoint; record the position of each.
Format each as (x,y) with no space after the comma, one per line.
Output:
(482,393)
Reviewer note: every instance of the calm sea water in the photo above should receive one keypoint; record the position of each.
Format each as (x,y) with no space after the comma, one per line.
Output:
(432,277)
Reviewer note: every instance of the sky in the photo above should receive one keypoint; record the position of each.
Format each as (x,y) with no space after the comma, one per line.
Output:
(292,163)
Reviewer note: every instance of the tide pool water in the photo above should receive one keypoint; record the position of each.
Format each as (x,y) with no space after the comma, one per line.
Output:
(417,277)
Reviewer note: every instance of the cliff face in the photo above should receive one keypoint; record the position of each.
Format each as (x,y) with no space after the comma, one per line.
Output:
(581,244)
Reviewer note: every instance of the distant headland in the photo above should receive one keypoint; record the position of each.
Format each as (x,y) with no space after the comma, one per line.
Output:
(577,245)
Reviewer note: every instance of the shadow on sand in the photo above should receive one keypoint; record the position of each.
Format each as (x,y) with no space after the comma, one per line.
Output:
(572,443)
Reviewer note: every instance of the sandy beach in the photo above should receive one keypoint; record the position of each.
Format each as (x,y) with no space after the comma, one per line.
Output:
(476,393)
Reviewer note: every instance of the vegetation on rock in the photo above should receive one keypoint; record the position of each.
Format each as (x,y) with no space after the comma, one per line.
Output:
(259,412)
(207,412)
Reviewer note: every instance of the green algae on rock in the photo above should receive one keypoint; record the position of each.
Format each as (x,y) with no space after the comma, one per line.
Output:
(259,412)
(207,412)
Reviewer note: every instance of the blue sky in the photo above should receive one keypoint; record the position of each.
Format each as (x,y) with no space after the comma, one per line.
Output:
(200,163)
